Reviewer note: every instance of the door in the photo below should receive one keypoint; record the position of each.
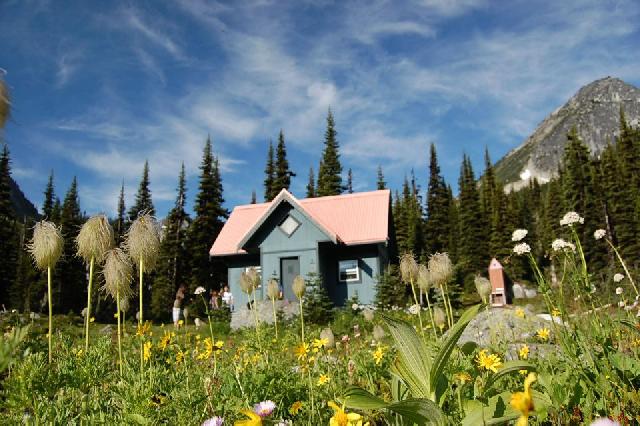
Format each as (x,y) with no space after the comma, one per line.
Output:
(289,269)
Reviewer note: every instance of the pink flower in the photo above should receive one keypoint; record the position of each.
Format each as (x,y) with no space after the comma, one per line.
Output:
(345,338)
(214,421)
(264,408)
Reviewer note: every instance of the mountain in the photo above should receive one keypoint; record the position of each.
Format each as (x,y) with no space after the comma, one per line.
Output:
(21,205)
(594,110)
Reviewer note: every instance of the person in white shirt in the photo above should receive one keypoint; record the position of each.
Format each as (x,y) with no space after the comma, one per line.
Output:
(227,297)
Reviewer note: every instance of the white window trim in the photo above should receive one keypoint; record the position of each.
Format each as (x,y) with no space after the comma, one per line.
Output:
(297,226)
(357,271)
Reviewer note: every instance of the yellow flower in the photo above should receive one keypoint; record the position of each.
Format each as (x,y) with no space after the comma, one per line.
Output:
(463,377)
(207,350)
(295,407)
(92,319)
(341,418)
(253,420)
(146,352)
(179,356)
(523,401)
(520,312)
(164,342)
(555,312)
(302,351)
(320,343)
(378,354)
(488,362)
(524,352)
(323,380)
(143,329)
(543,333)
(217,346)
(180,323)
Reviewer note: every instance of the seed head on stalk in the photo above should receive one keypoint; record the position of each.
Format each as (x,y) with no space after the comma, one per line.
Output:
(424,278)
(118,275)
(246,284)
(143,241)
(440,268)
(408,268)
(46,245)
(299,287)
(483,287)
(273,289)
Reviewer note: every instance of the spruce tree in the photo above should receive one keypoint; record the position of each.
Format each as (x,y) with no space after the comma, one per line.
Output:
(270,175)
(254,197)
(437,223)
(207,224)
(9,244)
(120,225)
(143,203)
(56,211)
(380,182)
(311,186)
(71,284)
(282,172)
(330,171)
(472,253)
(49,198)
(350,182)
(172,265)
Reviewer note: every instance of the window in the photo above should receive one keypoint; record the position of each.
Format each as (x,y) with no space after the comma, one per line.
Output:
(258,269)
(289,226)
(349,271)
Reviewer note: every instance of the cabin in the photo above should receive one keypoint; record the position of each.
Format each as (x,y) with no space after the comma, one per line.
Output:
(344,240)
(501,286)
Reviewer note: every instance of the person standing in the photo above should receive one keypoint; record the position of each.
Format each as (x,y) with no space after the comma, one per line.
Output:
(177,304)
(227,297)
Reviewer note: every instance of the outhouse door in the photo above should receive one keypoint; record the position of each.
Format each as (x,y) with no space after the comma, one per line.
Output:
(289,269)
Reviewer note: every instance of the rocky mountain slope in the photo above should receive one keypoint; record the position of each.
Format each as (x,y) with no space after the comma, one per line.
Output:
(21,205)
(594,110)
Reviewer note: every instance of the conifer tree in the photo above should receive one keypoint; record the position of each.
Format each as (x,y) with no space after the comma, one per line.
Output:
(282,172)
(254,198)
(143,201)
(311,186)
(71,270)
(56,211)
(437,223)
(399,223)
(49,198)
(472,253)
(207,223)
(172,268)
(350,182)
(120,224)
(380,182)
(330,171)
(270,175)
(9,244)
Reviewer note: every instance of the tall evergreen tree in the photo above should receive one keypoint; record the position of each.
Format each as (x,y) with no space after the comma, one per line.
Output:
(143,203)
(71,284)
(311,186)
(380,182)
(254,197)
(9,244)
(473,254)
(282,172)
(172,266)
(56,211)
(49,198)
(270,176)
(207,223)
(330,171)
(437,226)
(120,224)
(350,182)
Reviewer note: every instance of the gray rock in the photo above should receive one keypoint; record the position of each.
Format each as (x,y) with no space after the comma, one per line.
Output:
(530,293)
(243,317)
(107,329)
(501,326)
(518,291)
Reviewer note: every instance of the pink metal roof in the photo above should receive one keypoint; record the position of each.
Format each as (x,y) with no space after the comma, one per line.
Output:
(358,218)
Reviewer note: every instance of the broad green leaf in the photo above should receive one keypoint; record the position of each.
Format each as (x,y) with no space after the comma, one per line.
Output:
(468,348)
(442,358)
(420,411)
(356,397)
(138,419)
(499,411)
(507,368)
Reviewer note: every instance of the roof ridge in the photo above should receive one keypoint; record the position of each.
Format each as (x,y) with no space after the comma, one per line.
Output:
(354,195)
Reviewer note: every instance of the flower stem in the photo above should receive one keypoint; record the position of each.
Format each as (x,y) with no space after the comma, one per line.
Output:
(275,317)
(433,323)
(141,274)
(87,315)
(415,298)
(118,318)
(301,320)
(624,266)
(50,309)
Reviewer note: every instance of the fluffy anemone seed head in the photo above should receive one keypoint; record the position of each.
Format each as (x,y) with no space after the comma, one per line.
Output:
(327,335)
(46,245)
(246,285)
(424,278)
(408,268)
(143,241)
(440,268)
(273,289)
(118,273)
(95,239)
(368,314)
(254,277)
(438,317)
(5,104)
(299,287)
(483,287)
(378,332)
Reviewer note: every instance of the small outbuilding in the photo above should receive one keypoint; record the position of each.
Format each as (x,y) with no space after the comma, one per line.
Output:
(501,293)
(345,240)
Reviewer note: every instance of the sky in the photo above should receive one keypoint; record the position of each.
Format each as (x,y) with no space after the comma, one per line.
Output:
(100,87)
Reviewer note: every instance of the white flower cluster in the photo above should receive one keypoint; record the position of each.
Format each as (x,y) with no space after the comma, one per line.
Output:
(199,290)
(561,245)
(414,309)
(519,234)
(618,277)
(618,291)
(522,248)
(570,218)
(600,233)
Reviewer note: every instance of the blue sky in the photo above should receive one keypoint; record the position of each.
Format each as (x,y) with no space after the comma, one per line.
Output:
(98,87)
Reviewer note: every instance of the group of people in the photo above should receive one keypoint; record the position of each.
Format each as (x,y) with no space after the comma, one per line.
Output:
(217,300)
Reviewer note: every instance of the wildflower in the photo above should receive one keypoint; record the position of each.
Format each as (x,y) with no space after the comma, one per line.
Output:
(440,268)
(524,352)
(327,335)
(295,407)
(302,351)
(320,343)
(378,332)
(463,377)
(414,309)
(146,353)
(264,408)
(345,338)
(570,218)
(253,420)
(298,287)
(543,333)
(522,248)
(217,346)
(519,234)
(143,329)
(164,341)
(561,245)
(439,318)
(617,278)
(523,401)
(180,323)
(323,380)
(603,421)
(378,354)
(488,361)
(408,268)
(424,278)
(520,312)
(483,287)
(599,233)
(213,421)
(199,290)
(368,314)
(342,418)
(351,367)
(179,356)
(355,307)
(555,312)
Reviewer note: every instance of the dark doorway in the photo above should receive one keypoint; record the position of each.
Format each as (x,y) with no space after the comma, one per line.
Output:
(289,269)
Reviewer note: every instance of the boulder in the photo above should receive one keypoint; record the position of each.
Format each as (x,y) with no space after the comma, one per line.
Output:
(518,291)
(530,293)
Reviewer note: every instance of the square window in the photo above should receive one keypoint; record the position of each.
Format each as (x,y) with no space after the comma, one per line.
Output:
(348,271)
(289,226)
